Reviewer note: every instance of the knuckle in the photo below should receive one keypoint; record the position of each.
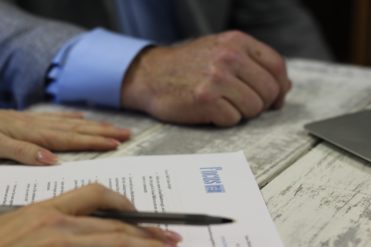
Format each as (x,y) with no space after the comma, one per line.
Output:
(47,138)
(53,219)
(58,140)
(46,218)
(97,187)
(98,190)
(204,95)
(228,56)
(34,210)
(215,75)
(20,150)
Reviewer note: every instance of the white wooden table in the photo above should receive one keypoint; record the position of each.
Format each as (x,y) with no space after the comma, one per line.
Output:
(317,194)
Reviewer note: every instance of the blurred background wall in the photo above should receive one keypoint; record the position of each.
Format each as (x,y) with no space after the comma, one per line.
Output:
(346,25)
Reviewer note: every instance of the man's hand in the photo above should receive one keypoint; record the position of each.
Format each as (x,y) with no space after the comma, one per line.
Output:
(217,79)
(26,137)
(62,222)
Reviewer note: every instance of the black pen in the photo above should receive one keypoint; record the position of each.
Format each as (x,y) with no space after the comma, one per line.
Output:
(150,217)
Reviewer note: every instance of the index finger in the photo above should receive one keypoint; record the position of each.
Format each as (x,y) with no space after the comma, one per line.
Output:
(262,54)
(90,198)
(273,62)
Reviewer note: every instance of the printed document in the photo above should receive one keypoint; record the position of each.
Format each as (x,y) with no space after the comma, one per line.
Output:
(213,184)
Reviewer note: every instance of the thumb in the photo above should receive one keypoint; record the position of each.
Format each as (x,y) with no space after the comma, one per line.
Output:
(25,152)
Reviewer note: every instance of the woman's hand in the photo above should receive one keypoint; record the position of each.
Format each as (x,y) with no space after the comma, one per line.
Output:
(63,222)
(27,137)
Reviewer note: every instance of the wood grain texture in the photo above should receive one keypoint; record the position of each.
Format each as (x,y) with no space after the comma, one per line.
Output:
(324,199)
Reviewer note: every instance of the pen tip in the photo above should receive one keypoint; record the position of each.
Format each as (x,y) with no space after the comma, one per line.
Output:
(225,220)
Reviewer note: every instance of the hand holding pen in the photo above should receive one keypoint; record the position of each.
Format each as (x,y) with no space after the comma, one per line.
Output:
(65,221)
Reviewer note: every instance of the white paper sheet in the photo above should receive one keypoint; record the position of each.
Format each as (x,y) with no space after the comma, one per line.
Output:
(215,184)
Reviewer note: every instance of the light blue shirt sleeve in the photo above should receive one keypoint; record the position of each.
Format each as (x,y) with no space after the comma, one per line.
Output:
(90,68)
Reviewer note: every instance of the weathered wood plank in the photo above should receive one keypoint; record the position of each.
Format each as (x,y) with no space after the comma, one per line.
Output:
(324,199)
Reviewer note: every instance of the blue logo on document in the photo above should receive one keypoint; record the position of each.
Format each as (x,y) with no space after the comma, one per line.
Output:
(212,180)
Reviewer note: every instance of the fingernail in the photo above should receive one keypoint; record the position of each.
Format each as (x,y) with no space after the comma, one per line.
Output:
(114,142)
(125,132)
(173,236)
(46,157)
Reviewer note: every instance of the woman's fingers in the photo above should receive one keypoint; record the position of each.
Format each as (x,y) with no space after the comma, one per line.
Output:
(25,152)
(117,239)
(61,222)
(93,197)
(27,136)
(64,141)
(31,147)
(89,128)
(163,235)
(81,126)
(68,141)
(90,198)
(83,226)
(90,225)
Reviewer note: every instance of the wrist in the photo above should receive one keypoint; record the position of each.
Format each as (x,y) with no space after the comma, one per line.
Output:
(137,86)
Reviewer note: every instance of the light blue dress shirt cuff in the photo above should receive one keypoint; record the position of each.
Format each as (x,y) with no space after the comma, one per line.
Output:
(90,68)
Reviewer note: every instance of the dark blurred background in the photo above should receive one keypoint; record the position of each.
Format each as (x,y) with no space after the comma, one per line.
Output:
(345,25)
